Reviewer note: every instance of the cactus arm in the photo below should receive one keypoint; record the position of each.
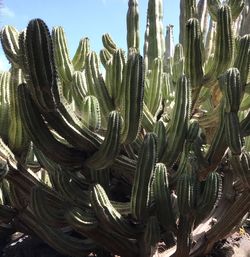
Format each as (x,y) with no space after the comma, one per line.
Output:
(224,45)
(245,103)
(155,86)
(62,115)
(133,25)
(148,120)
(230,218)
(48,207)
(218,146)
(168,85)
(187,11)
(96,84)
(81,53)
(151,237)
(213,7)
(162,198)
(173,179)
(85,224)
(240,166)
(33,122)
(105,56)
(233,134)
(133,100)
(60,241)
(78,89)
(70,186)
(146,46)
(17,138)
(76,134)
(7,156)
(108,216)
(169,42)
(244,27)
(244,125)
(154,38)
(242,60)
(42,74)
(185,191)
(114,77)
(209,196)
(193,57)
(4,169)
(193,131)
(108,43)
(9,39)
(245,163)
(61,54)
(111,241)
(22,54)
(184,240)
(210,41)
(230,84)
(178,64)
(177,128)
(182,22)
(236,7)
(203,15)
(143,174)
(16,197)
(232,90)
(160,131)
(117,76)
(5,83)
(122,208)
(224,203)
(109,149)
(91,113)
(81,219)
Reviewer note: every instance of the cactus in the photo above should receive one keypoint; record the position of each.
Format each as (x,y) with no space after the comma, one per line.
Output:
(154,39)
(143,175)
(133,25)
(147,153)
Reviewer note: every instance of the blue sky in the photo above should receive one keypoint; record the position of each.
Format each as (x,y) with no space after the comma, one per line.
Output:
(82,18)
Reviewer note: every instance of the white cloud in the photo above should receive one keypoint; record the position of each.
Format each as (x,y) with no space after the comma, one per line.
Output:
(7,12)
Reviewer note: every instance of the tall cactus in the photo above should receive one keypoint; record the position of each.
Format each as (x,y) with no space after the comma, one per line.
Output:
(187,10)
(133,25)
(154,39)
(148,153)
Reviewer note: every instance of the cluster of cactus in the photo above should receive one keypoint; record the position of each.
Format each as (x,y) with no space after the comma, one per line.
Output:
(154,152)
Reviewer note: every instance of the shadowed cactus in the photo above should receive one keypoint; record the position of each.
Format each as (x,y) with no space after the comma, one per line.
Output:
(151,153)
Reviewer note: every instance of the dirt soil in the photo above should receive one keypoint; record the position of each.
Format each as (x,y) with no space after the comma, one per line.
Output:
(240,241)
(237,245)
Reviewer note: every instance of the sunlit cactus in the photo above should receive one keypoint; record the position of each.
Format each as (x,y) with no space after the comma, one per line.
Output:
(150,152)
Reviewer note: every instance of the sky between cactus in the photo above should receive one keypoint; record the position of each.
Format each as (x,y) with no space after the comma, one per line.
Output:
(82,18)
